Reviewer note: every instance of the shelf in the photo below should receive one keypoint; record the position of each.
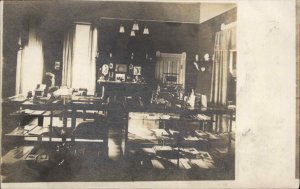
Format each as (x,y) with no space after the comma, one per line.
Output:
(198,117)
(166,157)
(39,133)
(60,139)
(58,113)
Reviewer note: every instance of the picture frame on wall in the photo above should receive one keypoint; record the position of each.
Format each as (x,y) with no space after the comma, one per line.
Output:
(57,65)
(137,70)
(121,77)
(122,68)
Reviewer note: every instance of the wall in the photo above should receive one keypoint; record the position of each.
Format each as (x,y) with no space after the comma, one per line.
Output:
(165,37)
(16,17)
(207,32)
(210,10)
(170,37)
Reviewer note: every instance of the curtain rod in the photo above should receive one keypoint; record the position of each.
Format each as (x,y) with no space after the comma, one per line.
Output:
(146,20)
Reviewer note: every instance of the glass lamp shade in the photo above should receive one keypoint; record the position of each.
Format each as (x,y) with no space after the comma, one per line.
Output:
(122,29)
(132,33)
(135,26)
(146,31)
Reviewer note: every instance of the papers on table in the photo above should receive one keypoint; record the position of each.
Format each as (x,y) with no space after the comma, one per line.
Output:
(200,163)
(160,132)
(29,127)
(201,117)
(162,148)
(167,157)
(29,130)
(173,132)
(190,150)
(191,138)
(201,133)
(157,164)
(153,116)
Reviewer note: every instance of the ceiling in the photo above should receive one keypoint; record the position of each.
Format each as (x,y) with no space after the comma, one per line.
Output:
(56,13)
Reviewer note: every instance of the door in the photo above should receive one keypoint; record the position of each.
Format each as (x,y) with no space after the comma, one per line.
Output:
(170,64)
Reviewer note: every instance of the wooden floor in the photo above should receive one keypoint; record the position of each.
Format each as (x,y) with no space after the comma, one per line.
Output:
(115,168)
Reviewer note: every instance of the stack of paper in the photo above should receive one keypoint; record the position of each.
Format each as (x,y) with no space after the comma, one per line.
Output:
(202,164)
(213,136)
(190,150)
(173,132)
(160,132)
(36,131)
(157,164)
(29,127)
(148,150)
(162,148)
(205,156)
(38,112)
(201,133)
(18,132)
(203,117)
(183,163)
(191,138)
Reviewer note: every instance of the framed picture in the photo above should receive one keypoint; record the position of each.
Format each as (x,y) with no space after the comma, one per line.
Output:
(105,69)
(137,70)
(121,68)
(120,77)
(57,65)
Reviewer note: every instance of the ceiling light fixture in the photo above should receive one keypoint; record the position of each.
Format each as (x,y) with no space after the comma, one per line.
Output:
(146,31)
(132,33)
(135,26)
(122,29)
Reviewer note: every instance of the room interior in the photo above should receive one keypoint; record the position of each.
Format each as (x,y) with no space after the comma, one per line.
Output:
(118,91)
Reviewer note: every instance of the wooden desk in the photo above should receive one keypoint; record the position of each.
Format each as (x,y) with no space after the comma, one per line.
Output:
(114,88)
(56,108)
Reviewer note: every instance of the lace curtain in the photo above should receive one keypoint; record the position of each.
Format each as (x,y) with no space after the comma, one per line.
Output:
(225,41)
(79,57)
(30,61)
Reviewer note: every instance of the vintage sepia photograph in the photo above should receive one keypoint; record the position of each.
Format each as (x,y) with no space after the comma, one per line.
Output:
(118,91)
(297,88)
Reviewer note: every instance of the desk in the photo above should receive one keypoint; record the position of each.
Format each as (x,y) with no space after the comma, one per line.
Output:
(143,132)
(115,88)
(41,108)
